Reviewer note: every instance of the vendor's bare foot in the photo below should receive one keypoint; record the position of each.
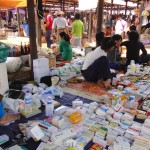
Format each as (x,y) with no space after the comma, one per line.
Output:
(8,118)
(107,84)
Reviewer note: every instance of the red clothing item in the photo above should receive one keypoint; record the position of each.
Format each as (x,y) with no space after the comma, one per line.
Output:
(107,32)
(50,20)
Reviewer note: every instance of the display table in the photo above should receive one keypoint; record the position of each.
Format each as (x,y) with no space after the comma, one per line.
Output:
(12,129)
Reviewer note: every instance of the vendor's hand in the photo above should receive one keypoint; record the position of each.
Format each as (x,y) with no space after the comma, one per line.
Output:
(107,84)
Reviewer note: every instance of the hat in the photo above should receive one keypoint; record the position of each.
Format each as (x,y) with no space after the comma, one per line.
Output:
(59,12)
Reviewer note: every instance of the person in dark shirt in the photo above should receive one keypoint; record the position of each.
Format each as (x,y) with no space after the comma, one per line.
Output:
(99,37)
(134,46)
(114,57)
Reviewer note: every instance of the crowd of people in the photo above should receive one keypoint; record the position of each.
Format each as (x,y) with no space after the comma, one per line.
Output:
(102,63)
(105,60)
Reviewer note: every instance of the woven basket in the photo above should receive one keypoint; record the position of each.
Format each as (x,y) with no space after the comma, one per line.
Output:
(22,74)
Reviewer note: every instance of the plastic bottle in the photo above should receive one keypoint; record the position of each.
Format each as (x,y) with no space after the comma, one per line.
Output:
(22,49)
(132,66)
(25,49)
(28,102)
(49,108)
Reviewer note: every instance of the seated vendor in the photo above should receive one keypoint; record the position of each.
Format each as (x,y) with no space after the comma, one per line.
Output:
(6,117)
(133,46)
(96,67)
(114,56)
(64,48)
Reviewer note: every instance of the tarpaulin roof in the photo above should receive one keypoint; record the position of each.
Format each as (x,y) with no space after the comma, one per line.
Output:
(13,3)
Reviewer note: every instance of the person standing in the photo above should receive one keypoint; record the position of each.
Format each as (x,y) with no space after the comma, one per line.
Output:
(49,22)
(121,26)
(59,25)
(77,31)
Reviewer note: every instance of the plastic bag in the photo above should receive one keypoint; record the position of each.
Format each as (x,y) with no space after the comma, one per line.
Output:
(13,64)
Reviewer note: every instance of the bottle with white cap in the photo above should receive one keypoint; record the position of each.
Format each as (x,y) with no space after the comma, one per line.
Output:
(49,108)
(28,102)
(132,66)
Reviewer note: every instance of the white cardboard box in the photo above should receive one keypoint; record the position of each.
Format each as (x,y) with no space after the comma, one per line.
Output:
(40,62)
(41,70)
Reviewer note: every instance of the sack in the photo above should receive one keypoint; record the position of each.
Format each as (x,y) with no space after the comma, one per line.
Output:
(13,64)
(48,80)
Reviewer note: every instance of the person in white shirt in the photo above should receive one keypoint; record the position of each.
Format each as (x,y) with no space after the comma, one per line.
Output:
(96,66)
(59,24)
(121,26)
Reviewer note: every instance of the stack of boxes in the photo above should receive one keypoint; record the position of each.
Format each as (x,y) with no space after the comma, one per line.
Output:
(40,68)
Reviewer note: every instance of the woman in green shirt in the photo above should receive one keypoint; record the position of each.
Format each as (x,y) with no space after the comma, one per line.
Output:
(64,46)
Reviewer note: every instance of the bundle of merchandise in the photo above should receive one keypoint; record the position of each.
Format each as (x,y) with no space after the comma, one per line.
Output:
(75,127)
(69,70)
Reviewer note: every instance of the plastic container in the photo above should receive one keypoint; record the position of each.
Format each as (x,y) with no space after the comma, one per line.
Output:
(4,51)
(75,117)
(132,66)
(28,102)
(49,109)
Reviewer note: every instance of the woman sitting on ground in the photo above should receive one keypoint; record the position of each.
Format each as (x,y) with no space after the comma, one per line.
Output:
(134,46)
(96,66)
(64,48)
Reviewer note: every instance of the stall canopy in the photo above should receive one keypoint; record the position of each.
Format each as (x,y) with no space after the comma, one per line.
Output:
(13,3)
(9,3)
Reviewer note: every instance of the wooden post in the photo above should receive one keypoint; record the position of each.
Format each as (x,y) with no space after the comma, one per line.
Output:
(141,18)
(25,10)
(90,26)
(61,2)
(117,9)
(0,20)
(111,16)
(18,19)
(126,7)
(74,8)
(32,31)
(100,15)
(38,29)
(63,5)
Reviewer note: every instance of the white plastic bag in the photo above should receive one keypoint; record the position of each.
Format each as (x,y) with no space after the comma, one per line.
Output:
(13,64)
